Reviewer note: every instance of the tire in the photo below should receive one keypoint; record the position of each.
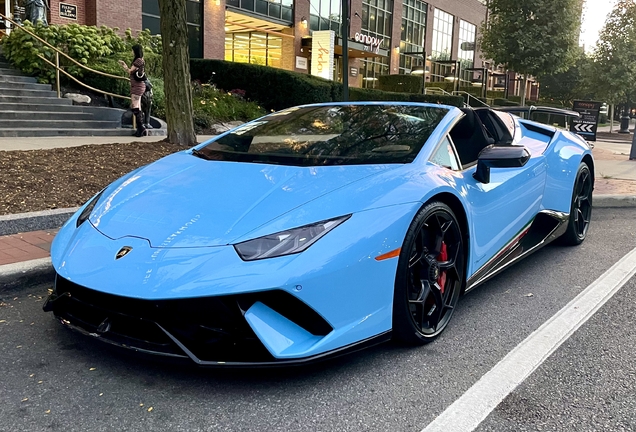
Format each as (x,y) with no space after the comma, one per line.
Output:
(430,275)
(580,208)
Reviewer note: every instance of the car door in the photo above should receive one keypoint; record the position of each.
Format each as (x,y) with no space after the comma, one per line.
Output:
(503,208)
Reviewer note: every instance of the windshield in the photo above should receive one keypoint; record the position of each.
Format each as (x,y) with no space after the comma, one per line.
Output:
(330,135)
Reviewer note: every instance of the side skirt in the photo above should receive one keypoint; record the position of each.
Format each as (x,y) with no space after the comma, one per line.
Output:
(546,227)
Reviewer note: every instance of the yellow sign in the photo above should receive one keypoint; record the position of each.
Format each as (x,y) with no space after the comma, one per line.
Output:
(322,49)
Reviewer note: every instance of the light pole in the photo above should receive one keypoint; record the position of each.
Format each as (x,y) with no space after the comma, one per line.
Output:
(344,34)
(423,54)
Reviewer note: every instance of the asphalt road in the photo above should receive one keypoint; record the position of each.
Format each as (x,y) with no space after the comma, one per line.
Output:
(53,379)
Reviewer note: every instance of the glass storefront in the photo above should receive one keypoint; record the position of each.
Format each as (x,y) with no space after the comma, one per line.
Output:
(279,9)
(150,19)
(253,47)
(413,34)
(466,50)
(377,16)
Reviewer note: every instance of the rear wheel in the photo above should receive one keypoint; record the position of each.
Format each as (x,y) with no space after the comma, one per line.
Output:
(580,209)
(430,275)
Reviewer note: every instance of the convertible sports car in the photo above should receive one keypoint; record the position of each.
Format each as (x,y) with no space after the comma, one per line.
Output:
(317,230)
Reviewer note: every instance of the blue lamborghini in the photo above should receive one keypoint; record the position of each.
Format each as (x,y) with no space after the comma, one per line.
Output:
(317,230)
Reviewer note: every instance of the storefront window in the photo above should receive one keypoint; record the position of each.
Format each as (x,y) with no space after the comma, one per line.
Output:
(413,34)
(466,49)
(442,35)
(150,19)
(279,9)
(257,48)
(377,16)
(324,15)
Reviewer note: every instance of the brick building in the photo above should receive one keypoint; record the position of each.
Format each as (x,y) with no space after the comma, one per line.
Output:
(386,36)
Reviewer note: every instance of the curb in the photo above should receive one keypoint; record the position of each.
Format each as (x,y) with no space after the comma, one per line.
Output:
(16,276)
(613,201)
(34,221)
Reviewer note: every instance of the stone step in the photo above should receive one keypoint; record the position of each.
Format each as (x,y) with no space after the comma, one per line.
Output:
(28,107)
(44,116)
(29,100)
(8,85)
(5,65)
(9,71)
(26,92)
(17,79)
(46,132)
(60,124)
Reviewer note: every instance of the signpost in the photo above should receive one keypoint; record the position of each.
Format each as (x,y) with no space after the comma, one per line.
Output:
(588,122)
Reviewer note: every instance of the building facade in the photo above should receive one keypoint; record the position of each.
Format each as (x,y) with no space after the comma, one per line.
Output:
(436,38)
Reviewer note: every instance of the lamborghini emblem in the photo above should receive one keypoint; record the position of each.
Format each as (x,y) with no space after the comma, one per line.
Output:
(123,252)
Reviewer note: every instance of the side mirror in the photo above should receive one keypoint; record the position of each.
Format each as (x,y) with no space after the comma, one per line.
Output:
(499,157)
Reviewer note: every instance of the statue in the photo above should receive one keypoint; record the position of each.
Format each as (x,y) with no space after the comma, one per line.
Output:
(36,11)
(146,104)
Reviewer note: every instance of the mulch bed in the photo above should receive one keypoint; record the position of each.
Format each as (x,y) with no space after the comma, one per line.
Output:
(67,177)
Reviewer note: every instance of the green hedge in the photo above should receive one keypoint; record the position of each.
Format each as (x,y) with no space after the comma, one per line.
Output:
(277,89)
(504,102)
(400,83)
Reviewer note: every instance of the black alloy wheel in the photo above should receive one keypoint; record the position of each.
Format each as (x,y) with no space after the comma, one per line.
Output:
(430,275)
(581,208)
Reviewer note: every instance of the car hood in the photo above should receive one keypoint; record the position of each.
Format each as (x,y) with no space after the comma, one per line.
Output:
(184,201)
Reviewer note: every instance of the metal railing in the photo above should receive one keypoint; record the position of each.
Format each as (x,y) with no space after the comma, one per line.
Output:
(59,69)
(470,97)
(437,91)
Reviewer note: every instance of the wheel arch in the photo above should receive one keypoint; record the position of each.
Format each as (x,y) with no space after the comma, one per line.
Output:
(458,209)
(587,159)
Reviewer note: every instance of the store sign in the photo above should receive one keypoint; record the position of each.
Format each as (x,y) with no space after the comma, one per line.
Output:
(370,41)
(68,11)
(588,122)
(322,50)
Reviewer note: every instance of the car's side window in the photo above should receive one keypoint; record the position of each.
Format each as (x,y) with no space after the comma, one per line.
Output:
(445,155)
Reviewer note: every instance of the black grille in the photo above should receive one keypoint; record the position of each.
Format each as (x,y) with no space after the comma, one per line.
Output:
(212,328)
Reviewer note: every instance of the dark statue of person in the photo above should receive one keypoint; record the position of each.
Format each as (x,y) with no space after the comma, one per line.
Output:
(36,11)
(146,104)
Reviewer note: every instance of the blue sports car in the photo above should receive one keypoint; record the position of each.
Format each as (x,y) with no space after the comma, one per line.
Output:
(317,230)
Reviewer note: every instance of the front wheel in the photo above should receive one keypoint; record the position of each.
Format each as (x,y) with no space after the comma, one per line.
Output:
(580,208)
(430,275)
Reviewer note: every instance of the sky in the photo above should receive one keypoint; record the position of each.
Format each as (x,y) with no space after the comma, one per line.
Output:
(594,14)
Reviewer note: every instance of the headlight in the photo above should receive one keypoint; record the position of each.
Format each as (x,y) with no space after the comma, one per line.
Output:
(88,209)
(286,242)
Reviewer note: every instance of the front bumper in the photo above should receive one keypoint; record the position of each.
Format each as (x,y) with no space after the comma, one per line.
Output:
(209,331)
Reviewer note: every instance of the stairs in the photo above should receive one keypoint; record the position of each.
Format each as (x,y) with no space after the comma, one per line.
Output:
(29,109)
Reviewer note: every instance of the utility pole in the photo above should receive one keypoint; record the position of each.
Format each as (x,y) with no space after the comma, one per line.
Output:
(344,34)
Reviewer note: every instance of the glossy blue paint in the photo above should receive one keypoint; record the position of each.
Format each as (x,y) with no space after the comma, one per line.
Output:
(182,214)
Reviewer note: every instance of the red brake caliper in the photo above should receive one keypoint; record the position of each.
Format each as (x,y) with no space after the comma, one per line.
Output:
(443,256)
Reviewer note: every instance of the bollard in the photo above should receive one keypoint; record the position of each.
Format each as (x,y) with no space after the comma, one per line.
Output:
(632,152)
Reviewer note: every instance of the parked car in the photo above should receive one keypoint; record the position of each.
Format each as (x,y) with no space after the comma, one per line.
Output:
(317,230)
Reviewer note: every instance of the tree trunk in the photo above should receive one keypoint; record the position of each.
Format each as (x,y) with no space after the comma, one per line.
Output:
(524,82)
(611,119)
(176,72)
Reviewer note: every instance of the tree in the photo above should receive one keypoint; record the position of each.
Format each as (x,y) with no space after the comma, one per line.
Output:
(176,72)
(571,84)
(614,67)
(532,37)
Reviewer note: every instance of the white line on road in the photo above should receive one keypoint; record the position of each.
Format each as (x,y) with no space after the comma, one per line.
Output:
(467,412)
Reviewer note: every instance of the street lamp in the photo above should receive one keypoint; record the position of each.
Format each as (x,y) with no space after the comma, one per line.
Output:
(423,71)
(484,79)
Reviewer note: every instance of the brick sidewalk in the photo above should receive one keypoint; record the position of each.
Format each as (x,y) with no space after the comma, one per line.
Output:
(25,246)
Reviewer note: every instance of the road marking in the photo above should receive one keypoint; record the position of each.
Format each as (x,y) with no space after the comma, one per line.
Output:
(467,412)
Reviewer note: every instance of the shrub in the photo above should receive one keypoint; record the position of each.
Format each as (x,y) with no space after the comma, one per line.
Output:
(277,89)
(85,44)
(504,102)
(212,105)
(401,83)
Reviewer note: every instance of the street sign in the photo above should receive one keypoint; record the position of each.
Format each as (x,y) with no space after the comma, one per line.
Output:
(588,122)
